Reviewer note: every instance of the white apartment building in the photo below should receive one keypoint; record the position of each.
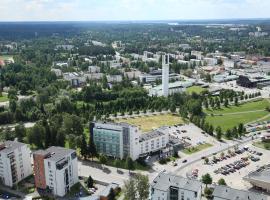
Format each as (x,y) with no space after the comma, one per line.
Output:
(15,162)
(167,187)
(56,170)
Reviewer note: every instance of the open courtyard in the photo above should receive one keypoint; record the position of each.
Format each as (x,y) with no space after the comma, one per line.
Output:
(151,122)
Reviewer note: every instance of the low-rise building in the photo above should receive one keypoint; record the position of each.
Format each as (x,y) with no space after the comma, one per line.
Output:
(93,69)
(74,78)
(56,170)
(227,193)
(154,140)
(167,187)
(114,78)
(58,72)
(210,61)
(15,162)
(260,178)
(175,87)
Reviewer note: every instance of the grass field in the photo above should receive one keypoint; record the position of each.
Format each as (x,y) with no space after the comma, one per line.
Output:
(195,89)
(147,123)
(3,98)
(197,148)
(263,145)
(229,117)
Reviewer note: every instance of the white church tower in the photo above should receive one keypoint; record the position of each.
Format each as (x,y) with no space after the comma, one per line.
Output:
(165,75)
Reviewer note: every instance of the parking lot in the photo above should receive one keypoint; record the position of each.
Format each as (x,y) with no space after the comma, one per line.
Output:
(191,134)
(232,167)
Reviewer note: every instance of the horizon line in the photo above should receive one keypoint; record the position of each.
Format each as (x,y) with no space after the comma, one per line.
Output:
(138,20)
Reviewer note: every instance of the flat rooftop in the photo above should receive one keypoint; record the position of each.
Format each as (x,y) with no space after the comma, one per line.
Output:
(227,193)
(163,181)
(9,146)
(55,153)
(152,134)
(262,174)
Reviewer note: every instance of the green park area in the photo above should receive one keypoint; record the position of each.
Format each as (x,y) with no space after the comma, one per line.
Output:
(3,98)
(148,123)
(231,116)
(195,89)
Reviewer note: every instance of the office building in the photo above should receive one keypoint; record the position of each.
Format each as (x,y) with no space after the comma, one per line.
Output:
(119,140)
(171,187)
(227,193)
(56,170)
(15,162)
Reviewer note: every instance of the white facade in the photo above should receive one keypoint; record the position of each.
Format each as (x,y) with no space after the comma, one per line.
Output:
(93,69)
(153,141)
(210,61)
(228,63)
(198,54)
(15,162)
(114,78)
(165,75)
(166,187)
(58,72)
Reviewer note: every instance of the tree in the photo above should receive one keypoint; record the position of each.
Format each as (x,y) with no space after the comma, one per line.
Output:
(208,192)
(142,186)
(111,195)
(206,105)
(92,148)
(102,159)
(117,163)
(206,160)
(236,101)
(129,164)
(90,182)
(221,182)
(36,135)
(218,133)
(130,190)
(83,147)
(207,179)
(228,134)
(240,129)
(172,108)
(137,187)
(20,132)
(226,102)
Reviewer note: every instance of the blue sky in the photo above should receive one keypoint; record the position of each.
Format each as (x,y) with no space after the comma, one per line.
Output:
(94,10)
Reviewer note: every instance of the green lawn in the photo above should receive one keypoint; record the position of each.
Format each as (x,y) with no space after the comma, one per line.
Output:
(254,105)
(6,57)
(197,148)
(147,123)
(263,145)
(229,117)
(195,89)
(3,98)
